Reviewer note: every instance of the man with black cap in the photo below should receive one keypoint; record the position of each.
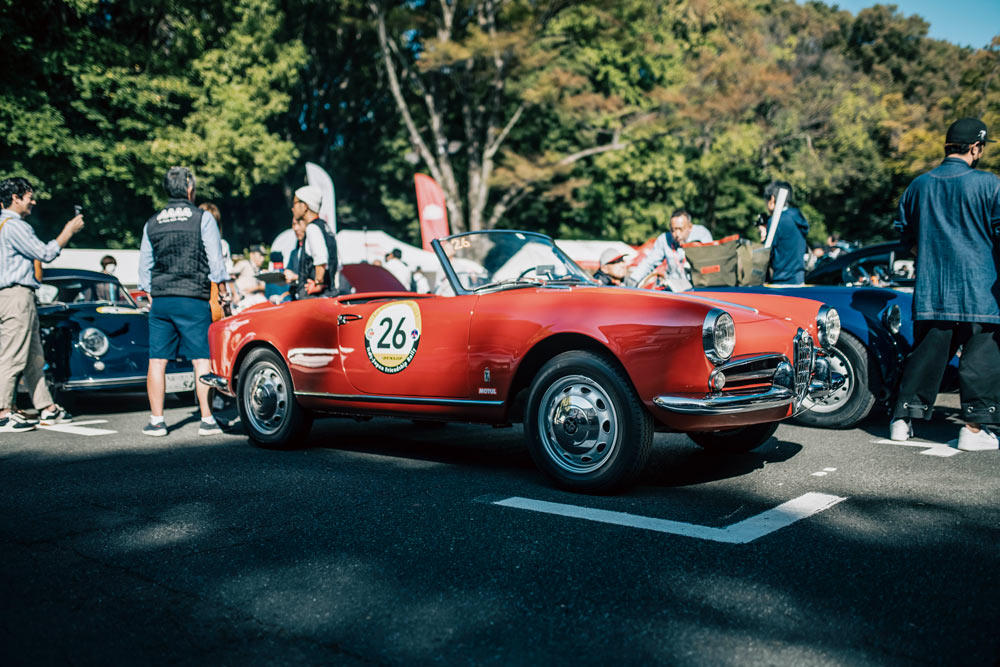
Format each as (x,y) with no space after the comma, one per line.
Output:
(950,217)
(613,269)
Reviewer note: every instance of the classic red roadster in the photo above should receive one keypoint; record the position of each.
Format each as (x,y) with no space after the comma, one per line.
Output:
(519,333)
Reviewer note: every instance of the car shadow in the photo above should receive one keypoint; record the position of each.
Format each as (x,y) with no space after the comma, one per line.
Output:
(677,465)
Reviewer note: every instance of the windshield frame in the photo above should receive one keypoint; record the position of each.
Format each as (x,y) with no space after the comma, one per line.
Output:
(456,284)
(123,293)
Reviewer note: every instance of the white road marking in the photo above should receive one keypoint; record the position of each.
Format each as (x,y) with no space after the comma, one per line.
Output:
(821,473)
(79,428)
(930,448)
(741,532)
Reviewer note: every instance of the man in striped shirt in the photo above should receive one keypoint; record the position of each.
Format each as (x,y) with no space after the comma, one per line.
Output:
(20,342)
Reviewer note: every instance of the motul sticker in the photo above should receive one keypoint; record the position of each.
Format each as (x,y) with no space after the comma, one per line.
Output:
(392,333)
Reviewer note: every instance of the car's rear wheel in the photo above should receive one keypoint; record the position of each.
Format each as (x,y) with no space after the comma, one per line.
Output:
(852,402)
(586,427)
(734,440)
(268,409)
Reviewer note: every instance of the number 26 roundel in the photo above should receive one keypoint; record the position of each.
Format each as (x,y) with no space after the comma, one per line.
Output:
(391,336)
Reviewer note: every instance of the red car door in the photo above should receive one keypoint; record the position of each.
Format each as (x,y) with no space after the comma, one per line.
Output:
(407,346)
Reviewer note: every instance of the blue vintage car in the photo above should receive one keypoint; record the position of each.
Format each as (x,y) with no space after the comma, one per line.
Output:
(876,334)
(95,336)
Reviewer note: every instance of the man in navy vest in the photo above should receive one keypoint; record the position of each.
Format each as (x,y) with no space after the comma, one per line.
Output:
(179,258)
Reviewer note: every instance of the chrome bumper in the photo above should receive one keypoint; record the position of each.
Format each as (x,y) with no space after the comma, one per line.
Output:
(216,382)
(784,389)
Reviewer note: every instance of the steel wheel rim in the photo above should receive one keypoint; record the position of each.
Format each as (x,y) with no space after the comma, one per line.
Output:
(578,425)
(266,398)
(835,401)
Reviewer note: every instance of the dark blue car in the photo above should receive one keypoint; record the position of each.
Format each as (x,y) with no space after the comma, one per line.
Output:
(95,336)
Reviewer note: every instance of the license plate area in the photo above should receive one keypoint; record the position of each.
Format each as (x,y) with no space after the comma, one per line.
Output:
(180,382)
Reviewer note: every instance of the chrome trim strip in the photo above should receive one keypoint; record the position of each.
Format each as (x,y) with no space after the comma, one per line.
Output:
(726,404)
(370,398)
(111,382)
(700,296)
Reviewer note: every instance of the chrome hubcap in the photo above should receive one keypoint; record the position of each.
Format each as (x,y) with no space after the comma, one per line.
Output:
(836,400)
(578,424)
(266,398)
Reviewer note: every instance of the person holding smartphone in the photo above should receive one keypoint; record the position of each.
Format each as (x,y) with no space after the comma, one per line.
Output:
(20,341)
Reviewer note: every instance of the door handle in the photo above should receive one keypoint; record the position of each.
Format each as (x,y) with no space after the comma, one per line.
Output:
(347,317)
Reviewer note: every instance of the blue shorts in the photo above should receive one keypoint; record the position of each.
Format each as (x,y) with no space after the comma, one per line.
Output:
(179,324)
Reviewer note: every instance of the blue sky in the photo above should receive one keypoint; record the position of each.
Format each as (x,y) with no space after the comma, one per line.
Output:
(965,22)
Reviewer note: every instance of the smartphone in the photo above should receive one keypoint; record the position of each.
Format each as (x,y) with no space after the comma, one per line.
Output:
(77,210)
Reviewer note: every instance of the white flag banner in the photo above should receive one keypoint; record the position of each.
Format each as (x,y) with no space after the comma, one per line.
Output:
(317,176)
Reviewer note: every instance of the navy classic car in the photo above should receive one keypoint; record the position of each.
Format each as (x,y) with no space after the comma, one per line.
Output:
(876,334)
(95,336)
(878,265)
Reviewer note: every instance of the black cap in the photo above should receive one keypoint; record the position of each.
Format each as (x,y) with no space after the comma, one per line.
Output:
(258,248)
(967,131)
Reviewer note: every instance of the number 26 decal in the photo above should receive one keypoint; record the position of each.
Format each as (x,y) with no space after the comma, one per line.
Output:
(392,334)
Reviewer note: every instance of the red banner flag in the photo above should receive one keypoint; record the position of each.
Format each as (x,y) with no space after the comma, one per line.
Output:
(431,208)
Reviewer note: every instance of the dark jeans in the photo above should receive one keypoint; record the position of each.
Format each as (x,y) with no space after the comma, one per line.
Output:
(935,343)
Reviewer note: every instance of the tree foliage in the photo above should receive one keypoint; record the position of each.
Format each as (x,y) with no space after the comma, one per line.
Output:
(585,119)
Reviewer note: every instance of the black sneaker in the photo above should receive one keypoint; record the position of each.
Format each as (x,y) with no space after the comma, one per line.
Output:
(155,430)
(15,423)
(55,416)
(206,428)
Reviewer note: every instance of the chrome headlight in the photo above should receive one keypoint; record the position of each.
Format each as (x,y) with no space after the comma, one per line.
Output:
(93,342)
(892,318)
(828,326)
(718,336)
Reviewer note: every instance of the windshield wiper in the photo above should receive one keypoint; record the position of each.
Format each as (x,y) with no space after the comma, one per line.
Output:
(501,284)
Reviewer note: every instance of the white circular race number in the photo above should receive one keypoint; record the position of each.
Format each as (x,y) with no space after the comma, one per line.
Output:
(391,336)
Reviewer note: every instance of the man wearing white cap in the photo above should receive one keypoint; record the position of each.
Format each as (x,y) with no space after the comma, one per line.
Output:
(315,257)
(613,269)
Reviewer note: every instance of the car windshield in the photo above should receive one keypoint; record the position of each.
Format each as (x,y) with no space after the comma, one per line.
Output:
(80,290)
(484,261)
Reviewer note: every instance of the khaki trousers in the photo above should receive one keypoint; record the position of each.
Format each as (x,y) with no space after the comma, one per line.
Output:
(21,348)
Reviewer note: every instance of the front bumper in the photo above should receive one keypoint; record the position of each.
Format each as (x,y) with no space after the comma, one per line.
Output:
(217,382)
(791,382)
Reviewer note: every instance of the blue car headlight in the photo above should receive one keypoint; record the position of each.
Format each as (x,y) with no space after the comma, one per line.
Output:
(93,342)
(828,326)
(892,318)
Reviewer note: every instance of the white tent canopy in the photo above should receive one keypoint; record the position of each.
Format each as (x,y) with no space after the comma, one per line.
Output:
(355,246)
(588,253)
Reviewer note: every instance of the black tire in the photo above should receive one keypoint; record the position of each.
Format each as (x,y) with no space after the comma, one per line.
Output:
(852,402)
(734,440)
(268,409)
(586,427)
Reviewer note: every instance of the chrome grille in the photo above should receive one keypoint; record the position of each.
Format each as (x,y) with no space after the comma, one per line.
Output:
(803,362)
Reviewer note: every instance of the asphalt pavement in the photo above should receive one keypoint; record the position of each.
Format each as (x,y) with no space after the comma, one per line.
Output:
(389,542)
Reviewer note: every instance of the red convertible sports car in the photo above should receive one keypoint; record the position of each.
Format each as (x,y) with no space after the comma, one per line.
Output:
(519,333)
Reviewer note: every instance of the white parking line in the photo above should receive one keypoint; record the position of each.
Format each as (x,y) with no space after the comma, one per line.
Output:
(79,428)
(741,532)
(930,448)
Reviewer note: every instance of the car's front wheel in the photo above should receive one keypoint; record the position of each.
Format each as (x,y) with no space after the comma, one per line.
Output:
(735,440)
(268,409)
(854,400)
(586,427)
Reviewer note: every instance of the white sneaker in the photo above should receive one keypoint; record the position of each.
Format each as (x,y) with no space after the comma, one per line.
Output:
(900,430)
(977,442)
